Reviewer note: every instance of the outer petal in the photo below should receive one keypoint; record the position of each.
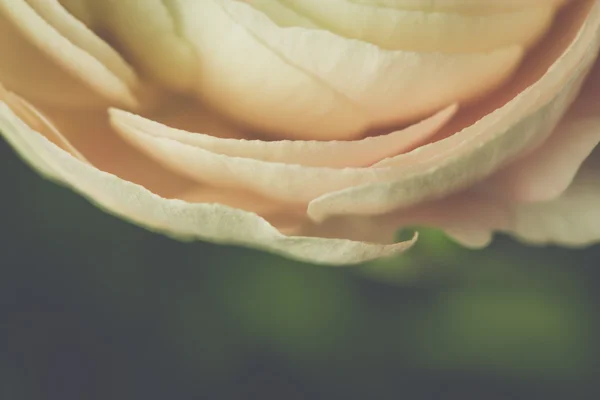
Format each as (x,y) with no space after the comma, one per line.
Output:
(471,218)
(573,219)
(547,172)
(185,220)
(71,75)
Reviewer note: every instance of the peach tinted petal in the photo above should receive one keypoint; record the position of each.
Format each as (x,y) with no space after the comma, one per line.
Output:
(91,134)
(468,217)
(480,149)
(36,120)
(572,219)
(427,173)
(335,154)
(212,222)
(81,36)
(46,66)
(548,171)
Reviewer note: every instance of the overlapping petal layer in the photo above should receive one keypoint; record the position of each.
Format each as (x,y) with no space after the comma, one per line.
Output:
(212,221)
(305,74)
(78,68)
(276,70)
(419,30)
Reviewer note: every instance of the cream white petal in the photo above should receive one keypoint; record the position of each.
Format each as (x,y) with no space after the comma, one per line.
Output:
(313,84)
(334,154)
(245,80)
(212,222)
(71,75)
(480,149)
(547,172)
(282,14)
(418,30)
(427,173)
(461,6)
(83,37)
(147,32)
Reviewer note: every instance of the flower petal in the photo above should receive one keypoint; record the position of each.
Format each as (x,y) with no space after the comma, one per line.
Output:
(430,172)
(461,6)
(282,14)
(480,149)
(213,222)
(334,154)
(81,36)
(573,219)
(147,32)
(71,76)
(419,30)
(322,86)
(547,172)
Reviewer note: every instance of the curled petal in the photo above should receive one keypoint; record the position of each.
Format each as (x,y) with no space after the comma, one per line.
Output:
(334,154)
(427,173)
(480,149)
(78,69)
(547,172)
(209,221)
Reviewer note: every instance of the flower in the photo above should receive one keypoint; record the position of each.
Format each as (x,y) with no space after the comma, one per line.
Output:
(314,129)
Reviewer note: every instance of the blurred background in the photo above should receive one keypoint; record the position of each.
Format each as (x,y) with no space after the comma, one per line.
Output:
(92,307)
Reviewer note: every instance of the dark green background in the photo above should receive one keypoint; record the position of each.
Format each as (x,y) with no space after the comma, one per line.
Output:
(92,307)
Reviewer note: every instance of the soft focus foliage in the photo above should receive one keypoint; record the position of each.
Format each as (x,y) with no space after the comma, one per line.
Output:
(105,310)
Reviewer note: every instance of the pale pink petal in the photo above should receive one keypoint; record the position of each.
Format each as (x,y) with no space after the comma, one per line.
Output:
(427,173)
(467,217)
(45,65)
(88,136)
(573,219)
(334,154)
(548,171)
(214,222)
(451,164)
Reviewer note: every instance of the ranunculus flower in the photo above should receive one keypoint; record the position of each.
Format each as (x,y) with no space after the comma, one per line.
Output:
(314,128)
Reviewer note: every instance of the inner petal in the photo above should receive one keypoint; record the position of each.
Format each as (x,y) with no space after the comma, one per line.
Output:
(45,65)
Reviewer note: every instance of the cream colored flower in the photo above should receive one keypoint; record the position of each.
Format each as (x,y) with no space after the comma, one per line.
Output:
(312,128)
